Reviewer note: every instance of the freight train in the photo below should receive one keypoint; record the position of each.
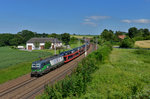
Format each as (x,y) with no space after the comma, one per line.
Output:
(44,66)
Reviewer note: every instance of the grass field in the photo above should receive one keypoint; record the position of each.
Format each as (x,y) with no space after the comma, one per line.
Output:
(15,63)
(125,75)
(11,57)
(81,36)
(143,44)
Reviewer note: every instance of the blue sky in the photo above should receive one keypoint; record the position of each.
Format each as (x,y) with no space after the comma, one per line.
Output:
(73,16)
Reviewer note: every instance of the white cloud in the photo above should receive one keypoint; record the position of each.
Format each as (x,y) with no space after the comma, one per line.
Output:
(98,17)
(144,21)
(87,20)
(90,23)
(126,21)
(92,20)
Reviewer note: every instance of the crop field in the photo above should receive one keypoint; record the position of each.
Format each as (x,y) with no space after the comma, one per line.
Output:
(11,57)
(125,75)
(15,63)
(81,36)
(143,44)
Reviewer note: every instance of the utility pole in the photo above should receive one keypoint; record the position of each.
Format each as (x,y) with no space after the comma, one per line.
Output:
(55,46)
(85,47)
(78,42)
(96,43)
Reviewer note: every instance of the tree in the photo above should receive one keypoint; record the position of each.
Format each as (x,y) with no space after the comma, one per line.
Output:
(146,33)
(16,40)
(47,45)
(65,38)
(26,34)
(127,43)
(53,35)
(44,35)
(107,35)
(132,32)
(5,39)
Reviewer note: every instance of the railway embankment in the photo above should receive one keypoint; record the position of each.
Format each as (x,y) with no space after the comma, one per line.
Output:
(76,84)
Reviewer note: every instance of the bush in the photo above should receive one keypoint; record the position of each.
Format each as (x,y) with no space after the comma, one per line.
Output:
(147,38)
(138,38)
(47,45)
(127,43)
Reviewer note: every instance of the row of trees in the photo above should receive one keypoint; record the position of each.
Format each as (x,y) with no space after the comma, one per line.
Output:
(133,33)
(8,39)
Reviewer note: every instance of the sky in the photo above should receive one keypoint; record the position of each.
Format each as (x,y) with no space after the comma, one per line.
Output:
(82,17)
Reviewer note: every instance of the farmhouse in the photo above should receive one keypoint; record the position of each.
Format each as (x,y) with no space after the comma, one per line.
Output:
(39,43)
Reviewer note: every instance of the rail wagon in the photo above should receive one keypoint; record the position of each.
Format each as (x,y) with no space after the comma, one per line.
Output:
(44,66)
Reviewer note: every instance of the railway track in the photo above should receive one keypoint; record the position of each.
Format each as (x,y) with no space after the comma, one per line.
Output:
(16,87)
(32,87)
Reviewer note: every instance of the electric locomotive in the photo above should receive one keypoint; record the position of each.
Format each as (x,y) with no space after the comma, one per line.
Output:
(44,66)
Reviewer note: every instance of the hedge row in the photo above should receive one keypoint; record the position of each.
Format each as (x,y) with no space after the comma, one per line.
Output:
(76,84)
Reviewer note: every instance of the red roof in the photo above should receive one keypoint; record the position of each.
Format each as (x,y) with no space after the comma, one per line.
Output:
(121,36)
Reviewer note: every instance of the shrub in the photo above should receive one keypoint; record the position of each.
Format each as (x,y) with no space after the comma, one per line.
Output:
(138,38)
(127,43)
(47,45)
(147,38)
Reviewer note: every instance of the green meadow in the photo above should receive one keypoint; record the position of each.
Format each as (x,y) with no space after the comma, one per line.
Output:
(15,63)
(125,75)
(11,57)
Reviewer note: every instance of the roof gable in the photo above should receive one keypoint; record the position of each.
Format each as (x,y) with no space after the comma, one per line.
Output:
(43,40)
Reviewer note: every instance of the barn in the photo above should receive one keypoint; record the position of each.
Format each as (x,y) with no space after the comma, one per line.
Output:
(39,43)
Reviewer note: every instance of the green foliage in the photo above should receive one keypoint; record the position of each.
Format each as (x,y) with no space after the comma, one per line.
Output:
(107,35)
(73,40)
(141,34)
(139,38)
(26,34)
(146,33)
(147,38)
(65,38)
(37,44)
(127,43)
(54,35)
(47,45)
(5,39)
(76,84)
(132,32)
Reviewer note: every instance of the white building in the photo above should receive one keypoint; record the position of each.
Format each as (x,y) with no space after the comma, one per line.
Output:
(39,43)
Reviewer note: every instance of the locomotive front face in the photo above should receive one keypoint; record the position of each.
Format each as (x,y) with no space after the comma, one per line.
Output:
(35,70)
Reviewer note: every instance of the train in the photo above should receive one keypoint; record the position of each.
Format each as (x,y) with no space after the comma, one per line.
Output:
(46,65)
